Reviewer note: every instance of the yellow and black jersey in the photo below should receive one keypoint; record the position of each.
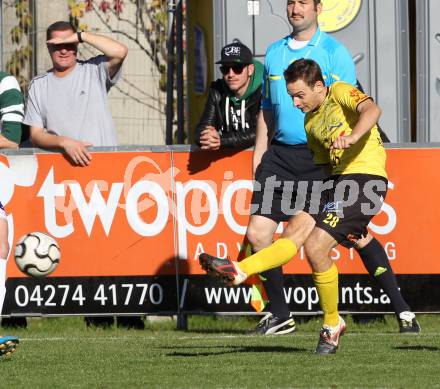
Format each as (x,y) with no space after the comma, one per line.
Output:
(337,116)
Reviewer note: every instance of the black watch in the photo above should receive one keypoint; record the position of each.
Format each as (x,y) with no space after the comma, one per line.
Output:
(80,40)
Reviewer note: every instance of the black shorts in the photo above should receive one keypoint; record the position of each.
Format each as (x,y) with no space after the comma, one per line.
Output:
(348,203)
(285,179)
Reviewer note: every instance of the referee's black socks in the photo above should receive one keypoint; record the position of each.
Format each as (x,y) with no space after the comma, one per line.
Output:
(376,262)
(273,281)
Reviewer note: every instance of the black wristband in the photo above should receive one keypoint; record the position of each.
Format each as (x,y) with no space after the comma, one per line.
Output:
(79,37)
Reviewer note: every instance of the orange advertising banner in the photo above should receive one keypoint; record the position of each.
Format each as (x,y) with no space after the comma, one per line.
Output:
(120,215)
(105,217)
(149,214)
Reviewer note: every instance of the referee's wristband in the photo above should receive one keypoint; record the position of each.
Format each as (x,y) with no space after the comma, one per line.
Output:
(80,40)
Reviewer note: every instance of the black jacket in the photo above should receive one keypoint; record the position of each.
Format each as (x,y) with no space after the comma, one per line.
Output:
(233,133)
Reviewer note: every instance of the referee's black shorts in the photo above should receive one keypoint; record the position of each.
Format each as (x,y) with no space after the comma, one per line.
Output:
(284,181)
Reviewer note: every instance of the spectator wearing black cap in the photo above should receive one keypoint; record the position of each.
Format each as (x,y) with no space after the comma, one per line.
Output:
(230,116)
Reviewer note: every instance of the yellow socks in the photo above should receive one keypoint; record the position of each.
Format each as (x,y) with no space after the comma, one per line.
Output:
(327,286)
(277,254)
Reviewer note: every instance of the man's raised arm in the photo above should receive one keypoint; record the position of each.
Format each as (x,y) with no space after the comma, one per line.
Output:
(113,50)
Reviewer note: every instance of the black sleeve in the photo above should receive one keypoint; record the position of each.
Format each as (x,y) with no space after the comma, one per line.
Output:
(359,86)
(382,133)
(209,116)
(239,140)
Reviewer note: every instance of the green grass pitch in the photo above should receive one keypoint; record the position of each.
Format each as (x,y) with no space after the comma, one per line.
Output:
(217,353)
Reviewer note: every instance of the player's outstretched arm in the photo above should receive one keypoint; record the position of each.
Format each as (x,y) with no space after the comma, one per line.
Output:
(369,114)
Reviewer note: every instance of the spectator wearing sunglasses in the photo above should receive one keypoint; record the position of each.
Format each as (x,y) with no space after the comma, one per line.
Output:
(229,119)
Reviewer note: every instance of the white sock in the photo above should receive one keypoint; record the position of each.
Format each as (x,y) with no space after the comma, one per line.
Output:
(407,316)
(3,264)
(241,275)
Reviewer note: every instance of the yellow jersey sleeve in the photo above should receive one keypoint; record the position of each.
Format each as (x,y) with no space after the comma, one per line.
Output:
(347,95)
(338,116)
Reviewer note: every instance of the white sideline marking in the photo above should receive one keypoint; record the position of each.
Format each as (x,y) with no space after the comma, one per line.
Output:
(204,337)
(149,338)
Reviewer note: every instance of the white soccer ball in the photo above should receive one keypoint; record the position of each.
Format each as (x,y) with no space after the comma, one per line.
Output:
(37,254)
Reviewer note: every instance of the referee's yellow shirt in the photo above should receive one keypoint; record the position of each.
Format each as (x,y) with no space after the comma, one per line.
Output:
(337,116)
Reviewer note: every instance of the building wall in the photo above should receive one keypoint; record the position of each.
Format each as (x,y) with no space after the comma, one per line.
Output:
(48,12)
(136,103)
(200,13)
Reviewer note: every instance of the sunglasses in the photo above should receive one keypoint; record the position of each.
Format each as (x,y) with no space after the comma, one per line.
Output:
(237,69)
(63,46)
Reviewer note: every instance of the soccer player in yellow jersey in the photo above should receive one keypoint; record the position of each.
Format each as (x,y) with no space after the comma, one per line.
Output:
(341,131)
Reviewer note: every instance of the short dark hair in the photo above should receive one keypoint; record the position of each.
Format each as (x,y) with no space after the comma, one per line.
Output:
(58,26)
(315,4)
(304,69)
